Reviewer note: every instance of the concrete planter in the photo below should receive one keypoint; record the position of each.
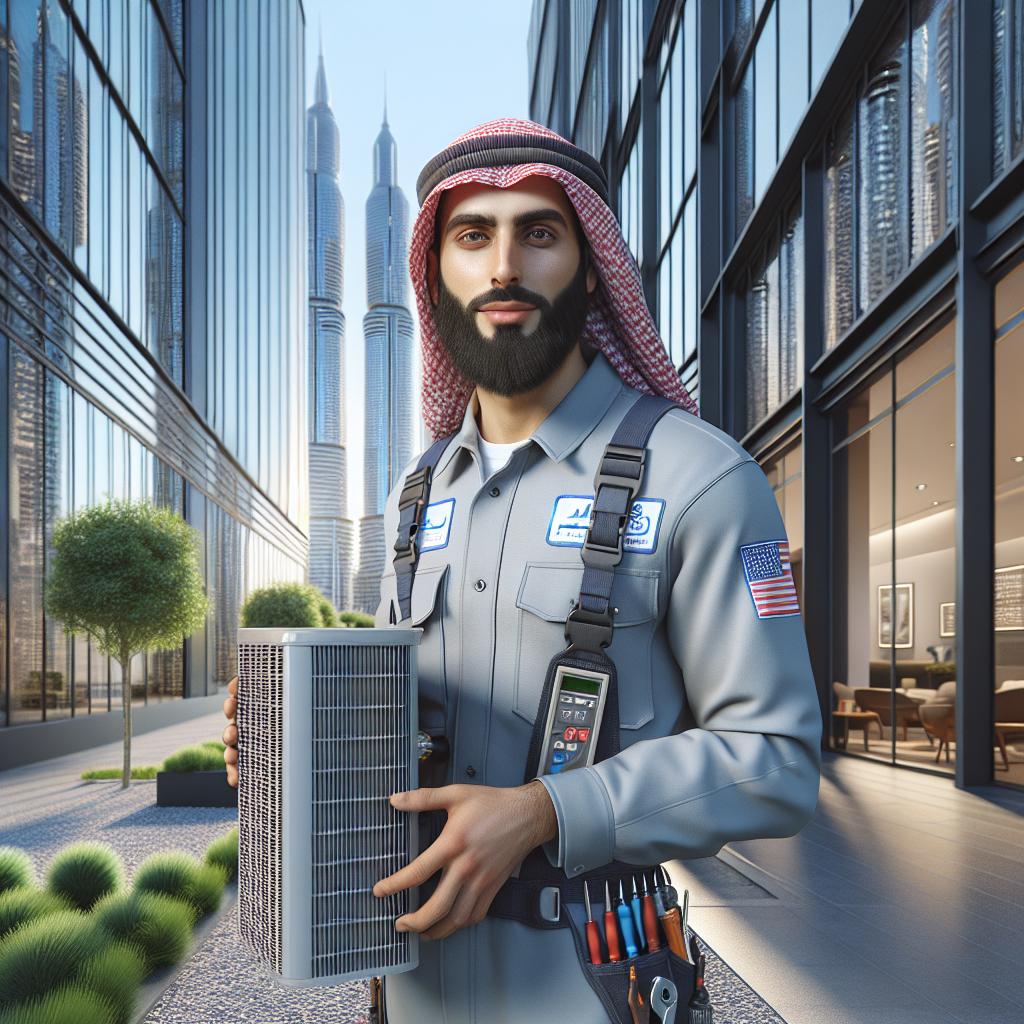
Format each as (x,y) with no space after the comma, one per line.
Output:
(195,789)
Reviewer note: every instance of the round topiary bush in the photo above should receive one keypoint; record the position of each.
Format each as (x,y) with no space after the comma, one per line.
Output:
(182,877)
(223,853)
(195,759)
(160,926)
(16,871)
(328,614)
(19,906)
(356,619)
(70,1004)
(84,873)
(283,606)
(44,954)
(115,975)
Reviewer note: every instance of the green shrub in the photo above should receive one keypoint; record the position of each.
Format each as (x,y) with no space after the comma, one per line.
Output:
(223,853)
(115,773)
(213,745)
(16,871)
(283,606)
(182,877)
(70,1004)
(115,975)
(44,954)
(19,906)
(360,619)
(195,759)
(328,615)
(84,873)
(160,926)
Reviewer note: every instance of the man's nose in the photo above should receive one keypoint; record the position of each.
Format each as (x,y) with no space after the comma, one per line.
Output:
(506,270)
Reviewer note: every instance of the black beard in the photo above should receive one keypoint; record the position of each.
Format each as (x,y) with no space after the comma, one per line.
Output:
(511,363)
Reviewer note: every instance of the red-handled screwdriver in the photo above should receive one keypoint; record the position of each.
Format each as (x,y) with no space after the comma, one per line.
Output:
(611,927)
(650,920)
(593,935)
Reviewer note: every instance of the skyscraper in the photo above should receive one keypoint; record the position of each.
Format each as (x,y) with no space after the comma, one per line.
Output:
(388,333)
(331,532)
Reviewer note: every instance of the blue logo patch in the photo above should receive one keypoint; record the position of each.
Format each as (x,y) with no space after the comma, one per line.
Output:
(571,515)
(437,526)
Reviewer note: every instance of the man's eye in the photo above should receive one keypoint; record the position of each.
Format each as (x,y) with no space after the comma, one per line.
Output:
(473,236)
(540,234)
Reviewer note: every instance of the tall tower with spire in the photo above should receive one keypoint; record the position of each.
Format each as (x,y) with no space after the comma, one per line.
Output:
(388,335)
(331,532)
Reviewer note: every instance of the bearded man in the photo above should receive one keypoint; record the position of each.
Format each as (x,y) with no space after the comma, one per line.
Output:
(538,348)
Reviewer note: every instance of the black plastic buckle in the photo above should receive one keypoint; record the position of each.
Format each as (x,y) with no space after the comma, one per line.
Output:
(587,630)
(633,458)
(413,496)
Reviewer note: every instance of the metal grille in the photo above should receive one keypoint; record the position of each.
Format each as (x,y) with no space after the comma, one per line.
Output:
(362,752)
(260,742)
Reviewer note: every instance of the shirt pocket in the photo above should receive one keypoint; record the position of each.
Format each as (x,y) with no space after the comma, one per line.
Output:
(545,597)
(427,610)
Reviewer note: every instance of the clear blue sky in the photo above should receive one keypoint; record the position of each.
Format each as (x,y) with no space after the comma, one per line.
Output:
(450,65)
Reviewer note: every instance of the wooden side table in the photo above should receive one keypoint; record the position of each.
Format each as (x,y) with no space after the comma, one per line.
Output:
(1001,729)
(861,720)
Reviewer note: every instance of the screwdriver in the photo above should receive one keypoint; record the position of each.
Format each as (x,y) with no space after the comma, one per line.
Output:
(626,920)
(650,920)
(593,935)
(611,929)
(671,920)
(637,916)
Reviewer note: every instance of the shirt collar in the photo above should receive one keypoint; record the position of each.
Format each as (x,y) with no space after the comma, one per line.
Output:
(567,426)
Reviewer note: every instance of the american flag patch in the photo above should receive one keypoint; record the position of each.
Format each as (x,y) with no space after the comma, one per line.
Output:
(770,578)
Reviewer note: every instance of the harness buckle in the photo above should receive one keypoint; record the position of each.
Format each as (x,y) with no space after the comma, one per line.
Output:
(587,630)
(411,503)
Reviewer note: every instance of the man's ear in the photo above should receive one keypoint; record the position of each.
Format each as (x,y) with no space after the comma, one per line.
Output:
(433,266)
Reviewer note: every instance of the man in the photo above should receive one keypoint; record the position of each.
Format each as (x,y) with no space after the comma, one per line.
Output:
(536,344)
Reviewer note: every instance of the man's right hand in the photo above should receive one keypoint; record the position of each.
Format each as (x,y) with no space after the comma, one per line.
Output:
(229,737)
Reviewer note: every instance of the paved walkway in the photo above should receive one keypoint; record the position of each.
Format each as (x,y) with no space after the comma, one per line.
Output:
(902,902)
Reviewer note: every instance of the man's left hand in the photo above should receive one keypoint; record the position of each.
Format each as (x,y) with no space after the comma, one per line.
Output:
(488,833)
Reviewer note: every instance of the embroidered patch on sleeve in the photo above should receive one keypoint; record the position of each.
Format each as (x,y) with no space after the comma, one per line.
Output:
(571,516)
(770,578)
(437,526)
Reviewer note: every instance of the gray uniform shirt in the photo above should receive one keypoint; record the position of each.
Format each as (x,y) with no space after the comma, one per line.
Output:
(719,720)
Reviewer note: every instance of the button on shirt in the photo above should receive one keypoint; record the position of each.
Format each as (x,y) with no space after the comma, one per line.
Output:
(719,720)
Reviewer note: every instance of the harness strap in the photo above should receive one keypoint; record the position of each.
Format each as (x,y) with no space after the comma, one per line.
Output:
(412,502)
(619,478)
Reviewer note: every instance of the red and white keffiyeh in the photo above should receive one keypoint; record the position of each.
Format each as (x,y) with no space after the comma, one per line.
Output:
(619,323)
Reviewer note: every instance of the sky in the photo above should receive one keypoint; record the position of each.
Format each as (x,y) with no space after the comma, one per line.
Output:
(449,65)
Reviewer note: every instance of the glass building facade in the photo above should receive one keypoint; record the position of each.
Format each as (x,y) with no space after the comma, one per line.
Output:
(828,215)
(389,337)
(152,311)
(331,534)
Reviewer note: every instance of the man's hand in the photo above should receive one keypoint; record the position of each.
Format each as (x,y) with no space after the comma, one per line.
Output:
(229,737)
(489,831)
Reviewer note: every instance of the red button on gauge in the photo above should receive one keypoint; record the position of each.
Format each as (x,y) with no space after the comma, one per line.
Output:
(570,735)
(582,735)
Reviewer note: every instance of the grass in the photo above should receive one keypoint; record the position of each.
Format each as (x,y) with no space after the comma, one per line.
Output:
(84,873)
(16,871)
(160,926)
(182,877)
(195,759)
(44,954)
(116,773)
(114,975)
(19,906)
(223,853)
(70,1003)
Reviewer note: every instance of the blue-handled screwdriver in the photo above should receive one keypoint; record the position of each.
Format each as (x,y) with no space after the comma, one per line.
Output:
(638,916)
(626,920)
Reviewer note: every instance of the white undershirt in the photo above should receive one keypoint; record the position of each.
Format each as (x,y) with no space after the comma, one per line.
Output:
(495,456)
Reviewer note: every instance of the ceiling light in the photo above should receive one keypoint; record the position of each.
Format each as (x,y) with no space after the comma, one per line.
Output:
(1018,458)
(935,503)
(921,487)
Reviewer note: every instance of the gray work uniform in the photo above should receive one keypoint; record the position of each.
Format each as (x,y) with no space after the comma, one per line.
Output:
(720,726)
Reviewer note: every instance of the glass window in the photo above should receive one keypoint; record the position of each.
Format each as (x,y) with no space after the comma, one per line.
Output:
(882,201)
(677,331)
(933,121)
(80,154)
(828,22)
(894,586)
(630,200)
(5,84)
(631,42)
(692,125)
(1008,83)
(691,304)
(793,29)
(117,191)
(1009,525)
(745,148)
(765,98)
(785,474)
(592,120)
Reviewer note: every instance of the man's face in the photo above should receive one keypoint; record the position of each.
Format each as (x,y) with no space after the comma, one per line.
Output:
(509,287)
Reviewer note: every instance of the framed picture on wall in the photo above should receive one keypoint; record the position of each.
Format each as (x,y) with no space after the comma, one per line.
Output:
(947,619)
(1009,603)
(902,620)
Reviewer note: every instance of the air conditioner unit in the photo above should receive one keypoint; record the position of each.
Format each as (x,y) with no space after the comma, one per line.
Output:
(327,730)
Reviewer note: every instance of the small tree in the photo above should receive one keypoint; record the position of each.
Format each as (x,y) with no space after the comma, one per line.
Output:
(286,606)
(127,574)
